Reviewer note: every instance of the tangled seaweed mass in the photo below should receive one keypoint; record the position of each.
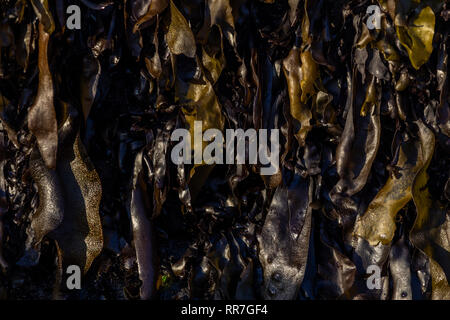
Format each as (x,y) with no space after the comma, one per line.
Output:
(87,179)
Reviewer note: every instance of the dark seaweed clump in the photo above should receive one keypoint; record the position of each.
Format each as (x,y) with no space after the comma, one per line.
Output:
(361,102)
